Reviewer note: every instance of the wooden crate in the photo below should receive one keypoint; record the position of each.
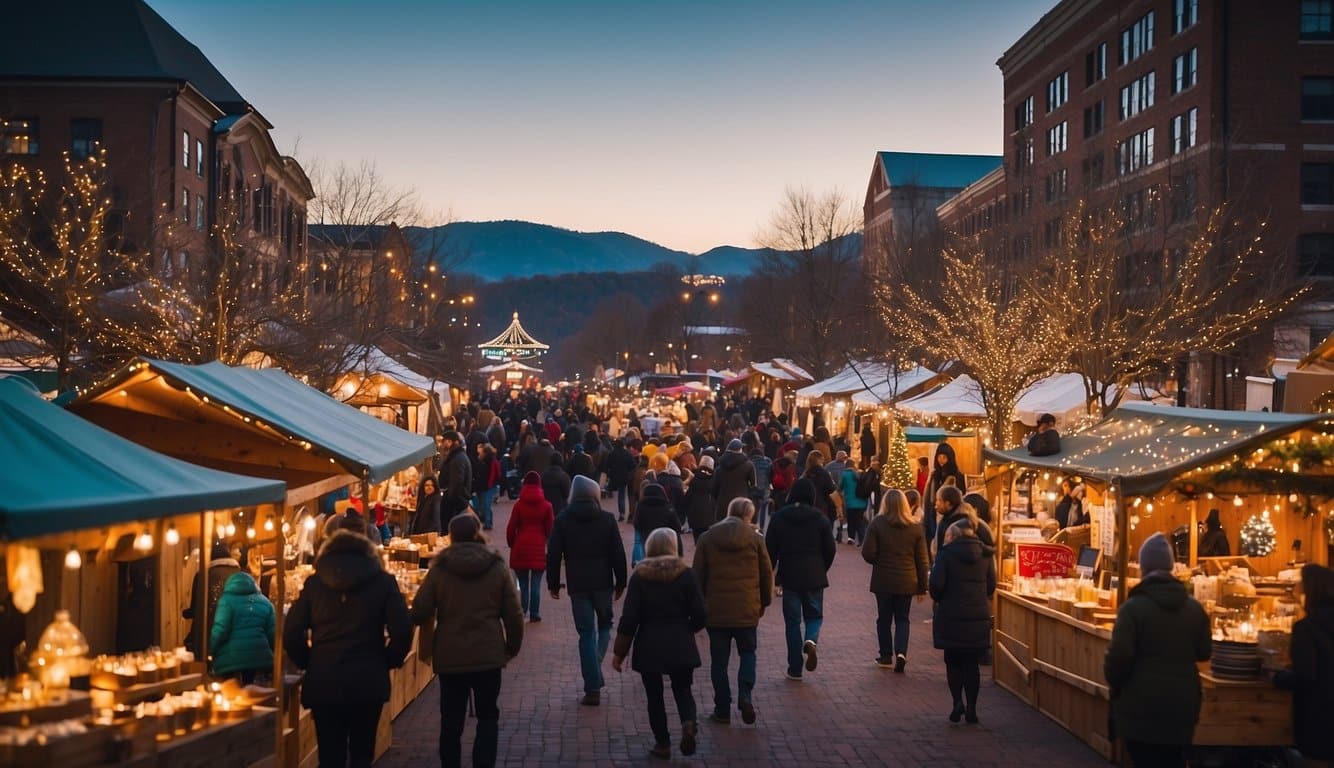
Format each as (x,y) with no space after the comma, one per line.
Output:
(78,751)
(1251,713)
(237,744)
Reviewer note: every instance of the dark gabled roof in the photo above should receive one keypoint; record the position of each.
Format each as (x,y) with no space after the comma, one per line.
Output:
(920,169)
(105,39)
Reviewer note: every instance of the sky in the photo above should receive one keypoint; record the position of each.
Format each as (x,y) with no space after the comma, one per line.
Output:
(679,122)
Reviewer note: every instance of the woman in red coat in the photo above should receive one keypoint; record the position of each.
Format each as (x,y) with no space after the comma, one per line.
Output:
(530,524)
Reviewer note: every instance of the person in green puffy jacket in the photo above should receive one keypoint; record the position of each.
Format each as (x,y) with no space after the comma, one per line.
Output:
(242,636)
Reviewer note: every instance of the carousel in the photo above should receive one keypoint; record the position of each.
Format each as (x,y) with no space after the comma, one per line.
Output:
(507,353)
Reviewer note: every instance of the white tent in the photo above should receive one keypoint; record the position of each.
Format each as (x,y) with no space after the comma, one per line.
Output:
(884,391)
(1061,395)
(862,376)
(961,398)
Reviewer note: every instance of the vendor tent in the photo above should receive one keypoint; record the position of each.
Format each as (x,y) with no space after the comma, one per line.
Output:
(1062,395)
(62,473)
(891,385)
(959,399)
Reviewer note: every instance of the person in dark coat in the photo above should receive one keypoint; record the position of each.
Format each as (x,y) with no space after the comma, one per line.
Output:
(895,546)
(962,582)
(470,599)
(221,566)
(335,631)
(675,488)
(801,548)
(664,610)
(426,519)
(241,641)
(1070,508)
(823,486)
(1160,634)
(947,466)
(455,479)
(1046,441)
(1214,542)
(556,485)
(1311,678)
(581,463)
(619,466)
(734,477)
(698,504)
(530,524)
(867,445)
(536,457)
(588,541)
(654,512)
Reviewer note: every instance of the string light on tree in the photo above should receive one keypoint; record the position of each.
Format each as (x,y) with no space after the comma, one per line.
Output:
(1258,537)
(899,470)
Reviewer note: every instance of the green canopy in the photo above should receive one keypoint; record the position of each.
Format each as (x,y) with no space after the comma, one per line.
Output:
(362,444)
(924,435)
(1141,447)
(61,473)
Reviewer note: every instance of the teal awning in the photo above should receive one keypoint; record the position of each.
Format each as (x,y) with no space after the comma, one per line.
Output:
(1143,447)
(61,473)
(360,443)
(924,435)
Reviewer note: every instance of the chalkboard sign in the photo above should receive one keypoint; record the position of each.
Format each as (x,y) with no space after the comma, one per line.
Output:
(1044,559)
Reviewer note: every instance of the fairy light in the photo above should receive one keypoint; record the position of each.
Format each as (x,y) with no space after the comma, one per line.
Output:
(144,542)
(73,560)
(171,537)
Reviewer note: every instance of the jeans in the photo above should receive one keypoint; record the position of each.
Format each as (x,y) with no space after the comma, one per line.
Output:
(799,605)
(892,610)
(657,708)
(481,504)
(720,650)
(621,502)
(592,620)
(454,690)
(530,592)
(637,553)
(345,732)
(762,514)
(856,524)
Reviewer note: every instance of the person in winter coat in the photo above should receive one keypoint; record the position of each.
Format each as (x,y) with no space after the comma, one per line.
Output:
(735,476)
(664,609)
(588,541)
(923,475)
(204,599)
(854,506)
(619,466)
(801,548)
(785,474)
(1069,509)
(556,485)
(762,493)
(455,478)
(699,504)
(426,519)
(478,627)
(734,571)
(1160,634)
(895,546)
(335,631)
(867,445)
(674,486)
(242,637)
(947,466)
(531,521)
(1214,542)
(636,483)
(581,463)
(486,477)
(536,457)
(1046,441)
(962,581)
(1311,678)
(824,487)
(654,512)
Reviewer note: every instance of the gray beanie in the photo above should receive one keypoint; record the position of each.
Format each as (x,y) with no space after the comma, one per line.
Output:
(735,445)
(582,487)
(1155,554)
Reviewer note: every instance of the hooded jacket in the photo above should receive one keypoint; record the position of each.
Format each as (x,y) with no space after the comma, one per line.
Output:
(472,598)
(734,571)
(582,464)
(536,458)
(897,553)
(699,505)
(654,511)
(733,478)
(620,464)
(801,547)
(556,487)
(219,571)
(242,635)
(663,610)
(1311,681)
(530,524)
(587,539)
(1159,635)
(962,582)
(335,630)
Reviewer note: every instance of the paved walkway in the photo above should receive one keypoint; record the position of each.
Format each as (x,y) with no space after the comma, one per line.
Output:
(846,713)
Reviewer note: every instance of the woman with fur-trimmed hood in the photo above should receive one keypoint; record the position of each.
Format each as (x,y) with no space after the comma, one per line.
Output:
(664,610)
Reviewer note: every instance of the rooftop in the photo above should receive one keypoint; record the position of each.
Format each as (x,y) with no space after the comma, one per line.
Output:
(922,169)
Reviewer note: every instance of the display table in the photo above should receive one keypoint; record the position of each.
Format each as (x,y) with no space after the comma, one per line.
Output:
(1055,664)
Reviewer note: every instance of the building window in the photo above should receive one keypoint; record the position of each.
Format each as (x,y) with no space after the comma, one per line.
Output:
(199,212)
(1317,183)
(1135,152)
(1137,39)
(1184,15)
(1183,70)
(1318,98)
(20,136)
(1137,209)
(1056,138)
(1051,233)
(1185,196)
(1058,91)
(1317,19)
(1183,131)
(85,134)
(1023,114)
(1095,65)
(1093,170)
(1138,95)
(1057,184)
(1315,255)
(1093,119)
(185,206)
(1023,154)
(185,149)
(199,157)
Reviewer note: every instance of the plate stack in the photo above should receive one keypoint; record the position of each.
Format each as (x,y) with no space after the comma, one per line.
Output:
(1235,661)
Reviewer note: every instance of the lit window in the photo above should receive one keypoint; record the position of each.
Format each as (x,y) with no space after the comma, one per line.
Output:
(19,136)
(1056,138)
(185,148)
(199,157)
(1137,39)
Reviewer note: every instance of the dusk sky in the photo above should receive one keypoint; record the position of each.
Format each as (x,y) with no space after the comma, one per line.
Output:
(679,122)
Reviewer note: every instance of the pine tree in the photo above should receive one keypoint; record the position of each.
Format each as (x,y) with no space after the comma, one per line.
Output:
(1257,536)
(899,470)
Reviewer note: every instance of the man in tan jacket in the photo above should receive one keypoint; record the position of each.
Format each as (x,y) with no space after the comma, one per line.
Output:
(734,571)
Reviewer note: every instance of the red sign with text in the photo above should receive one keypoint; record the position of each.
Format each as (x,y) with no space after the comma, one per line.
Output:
(1042,559)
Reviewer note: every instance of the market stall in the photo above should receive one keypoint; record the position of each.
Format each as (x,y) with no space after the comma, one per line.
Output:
(878,383)
(389,390)
(774,380)
(1268,479)
(264,423)
(83,510)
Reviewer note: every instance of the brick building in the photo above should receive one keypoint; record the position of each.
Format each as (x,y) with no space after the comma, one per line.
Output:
(1162,109)
(184,148)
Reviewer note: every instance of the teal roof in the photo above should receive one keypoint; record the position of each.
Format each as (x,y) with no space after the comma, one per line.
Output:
(924,435)
(61,473)
(940,171)
(360,443)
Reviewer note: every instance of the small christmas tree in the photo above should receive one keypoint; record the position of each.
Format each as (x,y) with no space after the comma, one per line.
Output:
(898,471)
(1258,536)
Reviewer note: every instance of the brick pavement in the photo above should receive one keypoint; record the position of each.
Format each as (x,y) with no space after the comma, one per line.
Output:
(846,713)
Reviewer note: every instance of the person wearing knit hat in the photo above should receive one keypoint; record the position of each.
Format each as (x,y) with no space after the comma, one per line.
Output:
(735,446)
(706,462)
(530,523)
(801,548)
(1160,634)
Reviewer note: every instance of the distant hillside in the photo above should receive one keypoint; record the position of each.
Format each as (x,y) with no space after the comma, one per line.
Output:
(497,250)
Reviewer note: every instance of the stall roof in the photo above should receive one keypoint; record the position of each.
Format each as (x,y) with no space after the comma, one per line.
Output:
(886,390)
(1061,395)
(857,376)
(924,435)
(362,444)
(960,398)
(1142,447)
(62,473)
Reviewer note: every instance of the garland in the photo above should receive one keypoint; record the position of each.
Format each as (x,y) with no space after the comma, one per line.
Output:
(1274,482)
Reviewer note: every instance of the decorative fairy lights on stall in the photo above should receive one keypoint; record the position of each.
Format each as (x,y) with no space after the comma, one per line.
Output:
(1258,537)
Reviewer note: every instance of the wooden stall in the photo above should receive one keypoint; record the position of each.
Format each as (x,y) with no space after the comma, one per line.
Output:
(1150,469)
